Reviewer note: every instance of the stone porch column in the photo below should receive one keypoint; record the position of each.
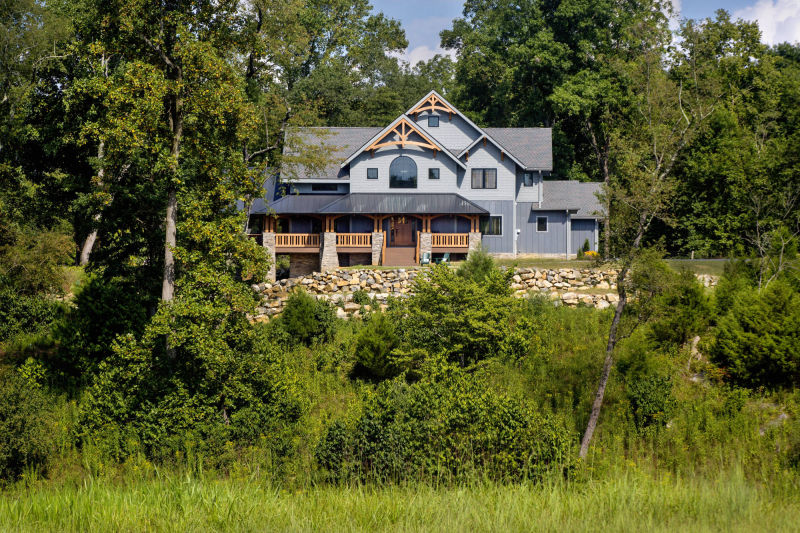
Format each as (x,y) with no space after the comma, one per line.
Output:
(268,241)
(328,258)
(377,246)
(474,241)
(425,244)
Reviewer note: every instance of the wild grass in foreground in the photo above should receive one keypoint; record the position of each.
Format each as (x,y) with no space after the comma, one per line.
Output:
(630,501)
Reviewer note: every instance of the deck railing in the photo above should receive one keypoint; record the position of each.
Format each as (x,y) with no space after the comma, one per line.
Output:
(297,240)
(450,240)
(354,239)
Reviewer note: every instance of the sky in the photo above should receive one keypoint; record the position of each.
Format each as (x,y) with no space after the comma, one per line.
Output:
(779,20)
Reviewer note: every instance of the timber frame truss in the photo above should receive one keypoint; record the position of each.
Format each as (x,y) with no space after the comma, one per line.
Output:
(403,130)
(433,103)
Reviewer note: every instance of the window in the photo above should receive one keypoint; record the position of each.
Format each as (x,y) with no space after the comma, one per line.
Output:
(372,173)
(491,225)
(433,121)
(324,187)
(527,179)
(403,173)
(433,173)
(484,178)
(541,223)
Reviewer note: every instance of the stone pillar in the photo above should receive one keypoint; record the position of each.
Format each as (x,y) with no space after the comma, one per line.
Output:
(377,246)
(268,241)
(328,258)
(425,244)
(474,241)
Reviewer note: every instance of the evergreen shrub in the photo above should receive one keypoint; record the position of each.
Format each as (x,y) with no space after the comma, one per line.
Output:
(308,320)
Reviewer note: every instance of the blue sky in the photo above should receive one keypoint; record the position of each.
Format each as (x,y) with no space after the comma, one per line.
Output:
(424,19)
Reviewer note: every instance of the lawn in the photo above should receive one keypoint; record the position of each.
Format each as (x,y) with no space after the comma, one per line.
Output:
(630,501)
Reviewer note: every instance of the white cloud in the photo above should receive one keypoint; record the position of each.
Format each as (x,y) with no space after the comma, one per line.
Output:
(424,53)
(779,20)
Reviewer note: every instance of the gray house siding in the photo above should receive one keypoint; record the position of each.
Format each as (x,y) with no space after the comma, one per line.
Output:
(499,244)
(552,241)
(582,229)
(455,134)
(447,182)
(528,194)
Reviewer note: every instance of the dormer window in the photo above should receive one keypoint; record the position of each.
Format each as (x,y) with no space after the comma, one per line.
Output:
(433,121)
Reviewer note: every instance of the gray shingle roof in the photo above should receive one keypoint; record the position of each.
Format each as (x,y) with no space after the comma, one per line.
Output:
(296,204)
(403,204)
(343,142)
(532,146)
(572,195)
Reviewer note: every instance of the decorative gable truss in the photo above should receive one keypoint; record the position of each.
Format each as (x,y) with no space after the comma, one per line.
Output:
(402,132)
(433,102)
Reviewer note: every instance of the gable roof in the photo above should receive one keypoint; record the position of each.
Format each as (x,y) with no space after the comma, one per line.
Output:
(342,142)
(402,118)
(533,147)
(577,196)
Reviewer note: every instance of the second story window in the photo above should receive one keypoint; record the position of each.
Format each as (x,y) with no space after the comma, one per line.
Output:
(433,173)
(403,173)
(484,178)
(527,179)
(433,121)
(372,173)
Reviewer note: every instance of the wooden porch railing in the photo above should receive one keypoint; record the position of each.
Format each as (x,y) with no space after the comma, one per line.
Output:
(354,239)
(297,240)
(416,251)
(450,240)
(383,248)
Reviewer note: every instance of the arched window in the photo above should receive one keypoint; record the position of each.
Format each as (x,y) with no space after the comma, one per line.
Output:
(403,173)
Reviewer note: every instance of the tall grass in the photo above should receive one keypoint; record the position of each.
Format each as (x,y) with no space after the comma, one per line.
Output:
(628,501)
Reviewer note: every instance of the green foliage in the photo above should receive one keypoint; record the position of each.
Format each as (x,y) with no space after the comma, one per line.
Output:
(306,319)
(32,262)
(479,267)
(758,340)
(25,435)
(651,401)
(375,345)
(447,425)
(21,314)
(361,297)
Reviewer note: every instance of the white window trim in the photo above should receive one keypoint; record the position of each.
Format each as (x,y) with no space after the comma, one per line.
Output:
(502,226)
(547,221)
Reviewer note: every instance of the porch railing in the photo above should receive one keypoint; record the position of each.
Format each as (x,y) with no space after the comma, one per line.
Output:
(450,240)
(297,240)
(354,239)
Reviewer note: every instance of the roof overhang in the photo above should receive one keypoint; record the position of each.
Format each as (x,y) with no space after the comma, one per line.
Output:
(403,204)
(485,137)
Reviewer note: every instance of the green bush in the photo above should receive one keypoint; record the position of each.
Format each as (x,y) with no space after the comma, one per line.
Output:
(25,435)
(307,319)
(758,340)
(683,310)
(374,346)
(361,297)
(651,400)
(21,314)
(448,425)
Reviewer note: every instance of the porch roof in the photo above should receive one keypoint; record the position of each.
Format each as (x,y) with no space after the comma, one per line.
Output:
(403,204)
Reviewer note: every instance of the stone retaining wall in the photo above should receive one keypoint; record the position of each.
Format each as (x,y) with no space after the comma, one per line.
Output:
(564,286)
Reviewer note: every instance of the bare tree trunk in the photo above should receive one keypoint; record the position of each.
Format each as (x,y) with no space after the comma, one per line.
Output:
(609,362)
(88,244)
(170,239)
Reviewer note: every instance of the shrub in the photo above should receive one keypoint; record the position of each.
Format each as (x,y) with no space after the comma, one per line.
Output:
(374,346)
(307,319)
(25,436)
(651,400)
(478,267)
(449,425)
(21,314)
(758,340)
(682,310)
(361,297)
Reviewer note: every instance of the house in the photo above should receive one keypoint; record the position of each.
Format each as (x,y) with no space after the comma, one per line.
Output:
(431,182)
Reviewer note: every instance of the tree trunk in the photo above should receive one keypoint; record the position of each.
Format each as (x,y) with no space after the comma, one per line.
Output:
(609,362)
(88,244)
(171,221)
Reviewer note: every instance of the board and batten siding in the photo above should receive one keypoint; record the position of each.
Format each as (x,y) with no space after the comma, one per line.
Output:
(530,241)
(583,229)
(455,134)
(529,194)
(499,244)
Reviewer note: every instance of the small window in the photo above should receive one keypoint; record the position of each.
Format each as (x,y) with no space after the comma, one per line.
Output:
(433,173)
(541,223)
(491,225)
(372,173)
(484,178)
(527,179)
(433,121)
(324,187)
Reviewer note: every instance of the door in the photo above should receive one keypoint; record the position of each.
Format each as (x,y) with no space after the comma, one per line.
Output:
(402,231)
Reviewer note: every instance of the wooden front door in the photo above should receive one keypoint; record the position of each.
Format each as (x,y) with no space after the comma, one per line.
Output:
(403,231)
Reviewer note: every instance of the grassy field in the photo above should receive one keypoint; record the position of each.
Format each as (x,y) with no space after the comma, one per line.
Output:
(631,501)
